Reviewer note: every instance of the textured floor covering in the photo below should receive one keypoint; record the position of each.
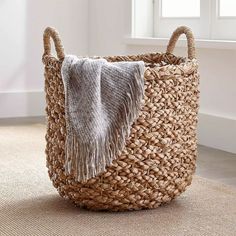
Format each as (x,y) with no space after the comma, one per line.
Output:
(29,205)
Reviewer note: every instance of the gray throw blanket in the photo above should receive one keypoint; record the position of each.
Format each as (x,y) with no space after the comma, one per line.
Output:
(102,100)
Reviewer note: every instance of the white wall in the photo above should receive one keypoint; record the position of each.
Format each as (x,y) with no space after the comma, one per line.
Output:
(109,22)
(22,23)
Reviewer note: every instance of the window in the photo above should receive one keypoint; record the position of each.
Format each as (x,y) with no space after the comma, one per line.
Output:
(170,8)
(209,19)
(227,8)
(223,19)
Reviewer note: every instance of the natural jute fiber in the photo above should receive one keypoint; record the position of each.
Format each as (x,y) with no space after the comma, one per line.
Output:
(158,161)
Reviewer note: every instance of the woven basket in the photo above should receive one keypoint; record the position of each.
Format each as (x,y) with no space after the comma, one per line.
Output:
(158,161)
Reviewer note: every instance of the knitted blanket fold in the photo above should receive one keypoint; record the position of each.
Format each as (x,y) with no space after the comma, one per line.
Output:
(102,100)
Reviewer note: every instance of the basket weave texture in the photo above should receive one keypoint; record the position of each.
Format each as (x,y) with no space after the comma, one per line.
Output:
(158,161)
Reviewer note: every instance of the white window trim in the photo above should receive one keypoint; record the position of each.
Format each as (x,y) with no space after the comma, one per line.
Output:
(199,43)
(162,26)
(151,39)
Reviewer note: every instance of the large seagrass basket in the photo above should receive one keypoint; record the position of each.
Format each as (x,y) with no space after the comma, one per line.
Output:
(158,161)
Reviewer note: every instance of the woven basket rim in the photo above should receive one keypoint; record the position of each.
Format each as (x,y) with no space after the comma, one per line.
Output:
(186,67)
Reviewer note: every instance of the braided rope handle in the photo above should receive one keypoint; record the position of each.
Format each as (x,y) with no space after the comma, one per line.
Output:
(52,33)
(190,41)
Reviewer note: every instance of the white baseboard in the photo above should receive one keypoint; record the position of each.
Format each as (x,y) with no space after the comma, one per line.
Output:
(22,104)
(217,132)
(213,131)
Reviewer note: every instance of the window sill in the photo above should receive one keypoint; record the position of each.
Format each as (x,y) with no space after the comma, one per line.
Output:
(200,43)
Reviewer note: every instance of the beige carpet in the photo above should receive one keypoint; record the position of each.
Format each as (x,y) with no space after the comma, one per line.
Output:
(29,205)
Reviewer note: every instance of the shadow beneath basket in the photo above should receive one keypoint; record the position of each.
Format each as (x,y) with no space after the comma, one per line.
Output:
(53,204)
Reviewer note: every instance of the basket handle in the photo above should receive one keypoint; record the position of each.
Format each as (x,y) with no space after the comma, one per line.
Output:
(52,33)
(190,41)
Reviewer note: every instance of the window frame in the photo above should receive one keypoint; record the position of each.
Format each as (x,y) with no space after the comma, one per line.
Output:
(210,25)
(221,26)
